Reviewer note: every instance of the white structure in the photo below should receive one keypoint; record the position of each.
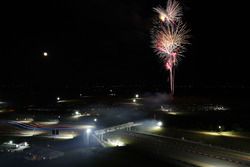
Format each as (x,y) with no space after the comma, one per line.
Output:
(13,147)
(98,134)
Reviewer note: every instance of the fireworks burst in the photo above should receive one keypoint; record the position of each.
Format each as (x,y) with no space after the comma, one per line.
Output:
(170,41)
(172,13)
(170,37)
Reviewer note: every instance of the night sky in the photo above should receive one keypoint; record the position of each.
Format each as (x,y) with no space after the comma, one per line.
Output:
(108,41)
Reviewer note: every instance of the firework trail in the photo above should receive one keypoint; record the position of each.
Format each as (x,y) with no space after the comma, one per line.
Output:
(170,37)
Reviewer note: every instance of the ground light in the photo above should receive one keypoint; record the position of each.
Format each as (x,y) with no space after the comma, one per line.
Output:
(116,143)
(88,131)
(159,123)
(45,54)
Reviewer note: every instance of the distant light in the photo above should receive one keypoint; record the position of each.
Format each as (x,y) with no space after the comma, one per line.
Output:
(159,123)
(58,98)
(134,100)
(25,143)
(88,131)
(219,127)
(95,119)
(80,94)
(59,116)
(77,113)
(137,96)
(10,142)
(45,54)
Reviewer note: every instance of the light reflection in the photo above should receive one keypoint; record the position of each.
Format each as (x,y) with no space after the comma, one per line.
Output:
(51,122)
(27,133)
(25,120)
(63,136)
(116,142)
(226,134)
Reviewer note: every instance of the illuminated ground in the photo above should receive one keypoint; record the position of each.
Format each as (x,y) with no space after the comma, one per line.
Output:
(35,125)
(233,140)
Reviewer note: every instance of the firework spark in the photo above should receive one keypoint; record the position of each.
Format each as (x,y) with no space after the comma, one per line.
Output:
(170,41)
(172,13)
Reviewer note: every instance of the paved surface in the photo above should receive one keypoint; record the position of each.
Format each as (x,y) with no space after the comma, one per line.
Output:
(193,153)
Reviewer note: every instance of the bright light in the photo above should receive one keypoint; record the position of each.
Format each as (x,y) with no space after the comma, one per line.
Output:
(28,133)
(49,122)
(173,113)
(26,120)
(159,123)
(134,100)
(77,114)
(45,54)
(66,136)
(95,120)
(228,134)
(137,96)
(210,133)
(219,127)
(84,127)
(58,98)
(10,142)
(116,143)
(162,17)
(88,131)
(25,143)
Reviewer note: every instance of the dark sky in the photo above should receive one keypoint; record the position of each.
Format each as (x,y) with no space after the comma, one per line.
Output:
(107,41)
